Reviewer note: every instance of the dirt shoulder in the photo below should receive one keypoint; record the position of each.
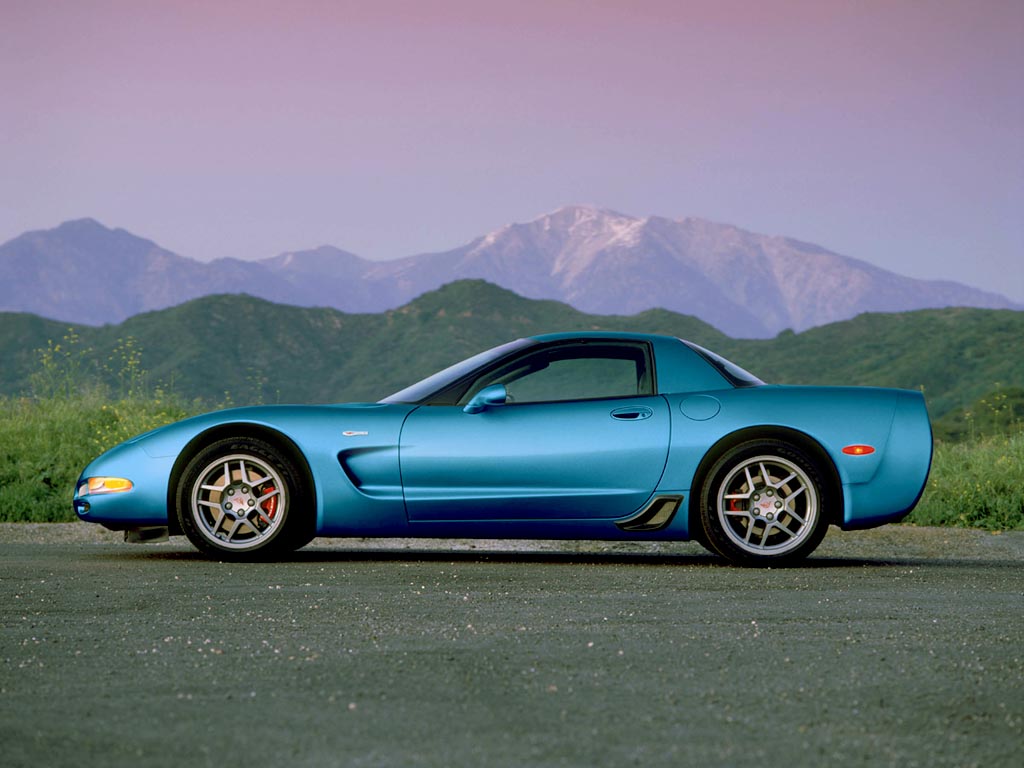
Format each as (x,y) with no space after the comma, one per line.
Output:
(887,542)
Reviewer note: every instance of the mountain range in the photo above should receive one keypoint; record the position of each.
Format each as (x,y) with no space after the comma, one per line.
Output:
(598,261)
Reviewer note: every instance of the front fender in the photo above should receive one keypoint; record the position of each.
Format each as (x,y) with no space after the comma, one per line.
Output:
(144,505)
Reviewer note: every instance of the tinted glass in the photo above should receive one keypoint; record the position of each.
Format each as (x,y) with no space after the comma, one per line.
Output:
(571,372)
(737,376)
(422,390)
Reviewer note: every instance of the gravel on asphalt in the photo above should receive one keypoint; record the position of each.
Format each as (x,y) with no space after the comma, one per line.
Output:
(899,646)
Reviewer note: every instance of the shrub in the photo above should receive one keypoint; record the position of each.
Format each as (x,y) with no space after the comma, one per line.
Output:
(48,438)
(976,484)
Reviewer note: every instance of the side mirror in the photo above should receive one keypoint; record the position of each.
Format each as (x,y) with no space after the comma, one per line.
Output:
(486,397)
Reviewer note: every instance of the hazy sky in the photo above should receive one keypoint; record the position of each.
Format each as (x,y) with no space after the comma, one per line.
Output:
(890,131)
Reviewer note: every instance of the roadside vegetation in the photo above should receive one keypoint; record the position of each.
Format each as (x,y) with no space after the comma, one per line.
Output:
(48,436)
(978,483)
(977,477)
(51,433)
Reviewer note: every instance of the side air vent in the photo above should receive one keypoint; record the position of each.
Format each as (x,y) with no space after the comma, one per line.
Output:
(654,516)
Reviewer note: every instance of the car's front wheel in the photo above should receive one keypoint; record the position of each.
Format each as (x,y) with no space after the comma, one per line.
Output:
(242,498)
(762,504)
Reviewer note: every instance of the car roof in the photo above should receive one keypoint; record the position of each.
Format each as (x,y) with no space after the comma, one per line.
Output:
(567,335)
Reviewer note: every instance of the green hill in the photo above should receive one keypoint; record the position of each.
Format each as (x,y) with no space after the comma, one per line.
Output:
(259,351)
(955,355)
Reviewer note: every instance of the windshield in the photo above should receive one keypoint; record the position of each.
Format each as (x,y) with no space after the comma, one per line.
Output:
(422,390)
(737,376)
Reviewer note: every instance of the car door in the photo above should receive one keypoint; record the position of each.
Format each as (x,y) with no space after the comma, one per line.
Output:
(581,435)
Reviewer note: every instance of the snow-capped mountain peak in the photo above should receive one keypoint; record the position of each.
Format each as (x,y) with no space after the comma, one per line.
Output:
(598,260)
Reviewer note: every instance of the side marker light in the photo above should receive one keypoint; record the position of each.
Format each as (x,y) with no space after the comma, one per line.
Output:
(858,450)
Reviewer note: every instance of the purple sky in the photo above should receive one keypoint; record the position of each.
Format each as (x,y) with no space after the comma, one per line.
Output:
(888,131)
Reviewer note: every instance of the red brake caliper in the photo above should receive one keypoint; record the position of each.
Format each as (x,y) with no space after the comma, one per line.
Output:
(270,505)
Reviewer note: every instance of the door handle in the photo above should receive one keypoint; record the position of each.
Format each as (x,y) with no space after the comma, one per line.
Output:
(632,413)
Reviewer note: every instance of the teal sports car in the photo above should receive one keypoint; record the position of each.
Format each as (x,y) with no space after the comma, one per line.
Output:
(562,436)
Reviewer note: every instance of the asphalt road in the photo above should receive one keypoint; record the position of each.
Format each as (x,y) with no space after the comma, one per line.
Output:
(899,647)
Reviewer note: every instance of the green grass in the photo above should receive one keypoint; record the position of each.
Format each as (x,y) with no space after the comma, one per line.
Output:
(976,484)
(45,442)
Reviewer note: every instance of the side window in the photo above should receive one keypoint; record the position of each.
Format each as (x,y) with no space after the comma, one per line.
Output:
(572,372)
(576,379)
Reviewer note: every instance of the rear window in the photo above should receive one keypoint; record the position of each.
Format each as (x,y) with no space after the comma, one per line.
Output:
(737,376)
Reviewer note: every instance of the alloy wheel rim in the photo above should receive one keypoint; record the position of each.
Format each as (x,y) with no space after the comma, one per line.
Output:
(767,505)
(238,502)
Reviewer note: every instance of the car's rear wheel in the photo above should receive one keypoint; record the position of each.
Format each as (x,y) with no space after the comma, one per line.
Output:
(243,498)
(762,504)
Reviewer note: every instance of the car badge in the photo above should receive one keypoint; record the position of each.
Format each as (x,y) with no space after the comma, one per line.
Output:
(354,433)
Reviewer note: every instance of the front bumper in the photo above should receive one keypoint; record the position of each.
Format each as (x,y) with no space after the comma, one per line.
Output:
(146,504)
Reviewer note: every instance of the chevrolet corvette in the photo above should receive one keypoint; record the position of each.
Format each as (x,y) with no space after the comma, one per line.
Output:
(594,435)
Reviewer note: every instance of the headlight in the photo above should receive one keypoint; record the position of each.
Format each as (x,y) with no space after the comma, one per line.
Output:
(104,485)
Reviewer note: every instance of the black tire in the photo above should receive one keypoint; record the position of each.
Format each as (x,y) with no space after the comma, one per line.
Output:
(763,503)
(243,499)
